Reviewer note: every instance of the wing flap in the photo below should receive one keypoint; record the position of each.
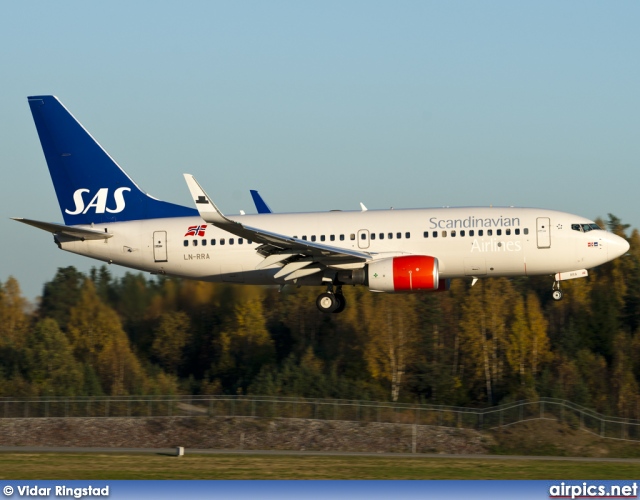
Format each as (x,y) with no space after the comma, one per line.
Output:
(293,266)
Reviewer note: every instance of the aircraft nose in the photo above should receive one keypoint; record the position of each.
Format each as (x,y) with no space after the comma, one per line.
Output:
(616,246)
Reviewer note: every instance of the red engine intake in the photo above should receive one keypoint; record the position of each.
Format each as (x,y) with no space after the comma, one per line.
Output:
(410,273)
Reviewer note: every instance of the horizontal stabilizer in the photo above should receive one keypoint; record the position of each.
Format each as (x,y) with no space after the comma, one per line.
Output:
(74,232)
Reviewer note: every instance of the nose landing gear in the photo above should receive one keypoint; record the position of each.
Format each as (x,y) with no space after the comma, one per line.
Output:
(556,293)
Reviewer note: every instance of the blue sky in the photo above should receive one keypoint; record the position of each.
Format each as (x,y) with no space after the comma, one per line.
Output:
(321,105)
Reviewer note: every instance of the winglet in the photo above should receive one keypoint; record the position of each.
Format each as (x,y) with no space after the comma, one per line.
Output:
(207,209)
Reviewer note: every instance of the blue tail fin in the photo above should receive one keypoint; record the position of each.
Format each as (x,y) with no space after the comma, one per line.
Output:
(90,186)
(261,205)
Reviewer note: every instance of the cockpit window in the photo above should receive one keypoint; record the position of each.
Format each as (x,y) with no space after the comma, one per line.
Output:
(585,228)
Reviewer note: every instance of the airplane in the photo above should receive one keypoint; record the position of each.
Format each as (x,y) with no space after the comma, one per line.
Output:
(109,218)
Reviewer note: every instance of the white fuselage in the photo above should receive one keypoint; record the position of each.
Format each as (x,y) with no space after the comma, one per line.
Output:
(468,242)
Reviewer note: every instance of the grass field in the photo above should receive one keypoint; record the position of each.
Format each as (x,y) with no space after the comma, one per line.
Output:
(138,466)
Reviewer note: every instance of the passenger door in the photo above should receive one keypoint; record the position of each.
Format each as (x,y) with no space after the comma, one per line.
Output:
(160,246)
(543,232)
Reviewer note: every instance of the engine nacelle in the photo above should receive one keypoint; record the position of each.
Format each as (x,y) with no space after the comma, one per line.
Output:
(408,273)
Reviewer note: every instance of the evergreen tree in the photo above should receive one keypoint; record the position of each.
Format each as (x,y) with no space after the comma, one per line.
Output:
(61,294)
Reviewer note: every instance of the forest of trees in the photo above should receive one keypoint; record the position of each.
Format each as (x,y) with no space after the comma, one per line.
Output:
(500,340)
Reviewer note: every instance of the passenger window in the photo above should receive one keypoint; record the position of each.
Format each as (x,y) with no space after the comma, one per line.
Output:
(304,237)
(322,238)
(204,243)
(480,232)
(213,241)
(526,230)
(462,232)
(508,231)
(332,237)
(249,242)
(186,243)
(352,236)
(240,241)
(313,237)
(398,235)
(407,235)
(499,232)
(426,234)
(342,237)
(453,233)
(471,232)
(517,231)
(222,241)
(390,236)
(489,232)
(373,236)
(195,243)
(382,236)
(444,234)
(435,234)
(363,236)
(231,241)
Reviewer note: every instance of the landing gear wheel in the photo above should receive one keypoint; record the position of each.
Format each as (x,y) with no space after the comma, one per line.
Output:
(557,295)
(327,302)
(342,303)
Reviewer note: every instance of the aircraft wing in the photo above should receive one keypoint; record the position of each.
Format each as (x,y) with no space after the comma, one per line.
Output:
(74,232)
(272,243)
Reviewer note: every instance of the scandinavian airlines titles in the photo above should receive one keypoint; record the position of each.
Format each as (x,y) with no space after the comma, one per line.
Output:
(471,222)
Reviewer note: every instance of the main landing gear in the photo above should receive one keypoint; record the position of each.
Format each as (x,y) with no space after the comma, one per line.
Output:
(330,301)
(556,293)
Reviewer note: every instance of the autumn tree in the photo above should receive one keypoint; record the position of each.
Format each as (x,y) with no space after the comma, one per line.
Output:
(13,313)
(528,344)
(391,340)
(171,337)
(61,294)
(49,362)
(244,345)
(96,336)
(483,326)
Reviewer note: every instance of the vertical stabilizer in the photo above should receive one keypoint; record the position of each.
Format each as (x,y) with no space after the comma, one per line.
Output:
(261,205)
(90,186)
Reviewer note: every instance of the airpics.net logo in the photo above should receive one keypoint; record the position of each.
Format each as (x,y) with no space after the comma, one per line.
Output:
(586,490)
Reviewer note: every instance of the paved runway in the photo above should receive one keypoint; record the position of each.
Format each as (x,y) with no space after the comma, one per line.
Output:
(193,451)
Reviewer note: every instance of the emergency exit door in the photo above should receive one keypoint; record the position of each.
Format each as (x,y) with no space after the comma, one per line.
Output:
(160,246)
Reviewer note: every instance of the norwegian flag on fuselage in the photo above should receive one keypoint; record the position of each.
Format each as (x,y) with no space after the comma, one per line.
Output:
(196,230)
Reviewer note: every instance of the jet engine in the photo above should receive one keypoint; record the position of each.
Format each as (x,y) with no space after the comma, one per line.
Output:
(408,273)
